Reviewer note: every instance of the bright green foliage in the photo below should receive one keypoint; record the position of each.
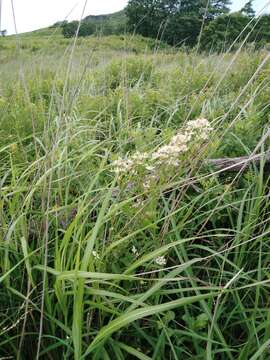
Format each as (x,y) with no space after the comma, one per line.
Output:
(168,262)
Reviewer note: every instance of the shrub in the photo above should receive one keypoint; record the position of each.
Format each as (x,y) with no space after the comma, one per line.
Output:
(86,29)
(221,33)
(69,30)
(181,30)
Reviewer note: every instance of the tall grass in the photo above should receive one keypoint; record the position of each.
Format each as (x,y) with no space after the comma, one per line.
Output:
(79,244)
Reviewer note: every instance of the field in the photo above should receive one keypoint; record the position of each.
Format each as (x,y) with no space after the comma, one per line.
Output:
(118,240)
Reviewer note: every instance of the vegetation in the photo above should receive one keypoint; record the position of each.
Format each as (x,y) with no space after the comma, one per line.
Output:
(177,21)
(226,30)
(74,28)
(3,33)
(248,9)
(111,24)
(207,23)
(117,240)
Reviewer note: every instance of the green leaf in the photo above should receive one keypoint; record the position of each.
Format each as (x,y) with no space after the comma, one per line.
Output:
(132,316)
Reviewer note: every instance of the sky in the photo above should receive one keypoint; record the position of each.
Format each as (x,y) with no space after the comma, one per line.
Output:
(35,14)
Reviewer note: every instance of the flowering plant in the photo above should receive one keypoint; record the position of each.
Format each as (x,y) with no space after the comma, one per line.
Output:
(196,131)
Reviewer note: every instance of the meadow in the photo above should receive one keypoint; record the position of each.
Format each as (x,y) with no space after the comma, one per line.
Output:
(118,240)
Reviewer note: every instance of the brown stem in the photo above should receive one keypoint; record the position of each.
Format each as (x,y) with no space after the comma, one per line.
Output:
(239,163)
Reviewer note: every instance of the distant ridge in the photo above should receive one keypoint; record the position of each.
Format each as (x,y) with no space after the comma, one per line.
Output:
(105,17)
(115,20)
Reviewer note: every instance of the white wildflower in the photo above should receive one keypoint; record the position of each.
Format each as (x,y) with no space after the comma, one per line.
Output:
(161,261)
(169,154)
(130,164)
(173,162)
(147,185)
(138,203)
(139,158)
(150,168)
(122,165)
(95,254)
(180,140)
(135,251)
(150,181)
(198,123)
(199,128)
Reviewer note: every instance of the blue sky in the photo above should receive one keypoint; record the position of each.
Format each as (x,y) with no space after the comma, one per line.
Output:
(35,14)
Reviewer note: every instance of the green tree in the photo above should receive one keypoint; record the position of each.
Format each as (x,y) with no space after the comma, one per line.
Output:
(206,9)
(209,10)
(182,30)
(146,16)
(59,24)
(261,34)
(221,33)
(86,29)
(248,9)
(219,7)
(69,29)
(177,21)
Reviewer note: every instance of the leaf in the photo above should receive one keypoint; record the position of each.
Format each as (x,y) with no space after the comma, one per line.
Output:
(130,350)
(132,316)
(261,350)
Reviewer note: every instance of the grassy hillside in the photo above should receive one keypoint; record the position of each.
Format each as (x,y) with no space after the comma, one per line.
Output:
(114,19)
(110,23)
(117,240)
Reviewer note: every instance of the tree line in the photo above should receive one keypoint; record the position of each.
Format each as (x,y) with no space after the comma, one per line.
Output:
(207,23)
(70,29)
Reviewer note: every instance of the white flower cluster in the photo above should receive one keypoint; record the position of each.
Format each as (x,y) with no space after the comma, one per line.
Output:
(128,165)
(161,261)
(96,255)
(138,203)
(135,251)
(198,130)
(170,154)
(122,166)
(151,179)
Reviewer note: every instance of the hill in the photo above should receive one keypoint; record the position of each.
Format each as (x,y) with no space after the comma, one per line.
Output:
(108,24)
(115,21)
(116,17)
